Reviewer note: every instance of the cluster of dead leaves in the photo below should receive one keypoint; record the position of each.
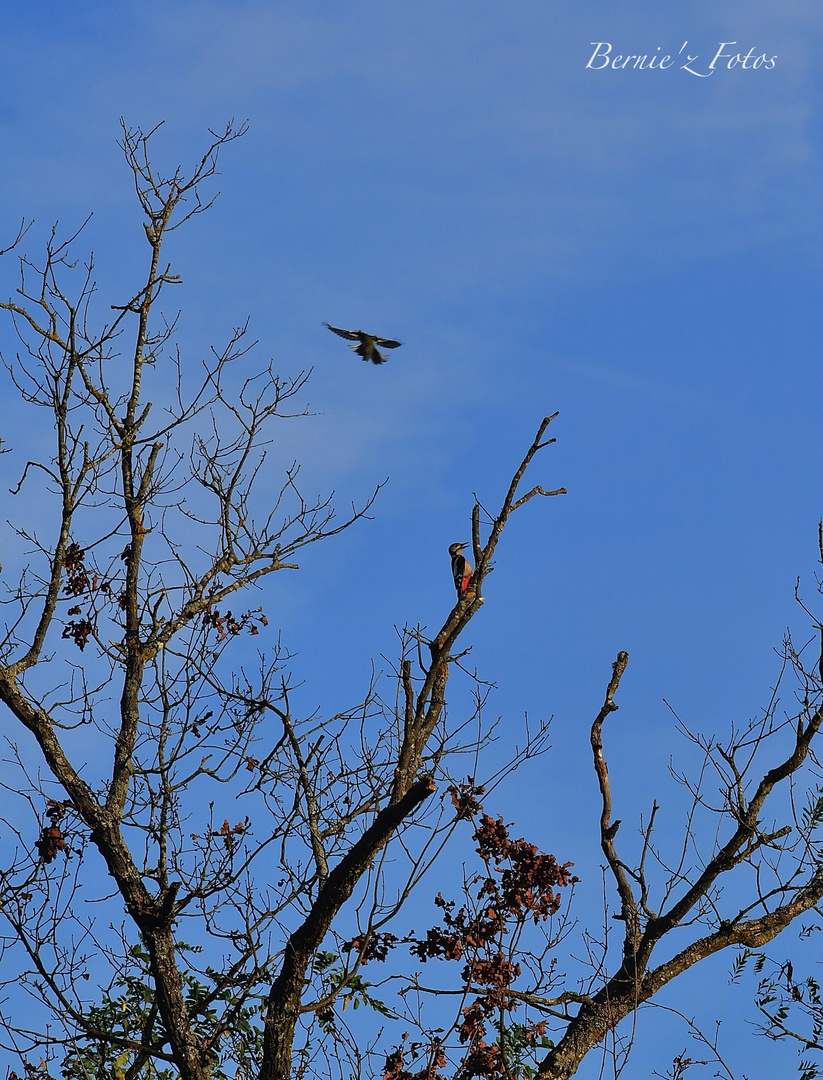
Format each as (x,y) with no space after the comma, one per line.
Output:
(51,839)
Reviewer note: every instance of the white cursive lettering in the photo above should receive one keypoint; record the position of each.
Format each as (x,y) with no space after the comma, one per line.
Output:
(598,55)
(603,57)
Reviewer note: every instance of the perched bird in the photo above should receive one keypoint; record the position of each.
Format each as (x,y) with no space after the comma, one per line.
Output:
(367,343)
(461,569)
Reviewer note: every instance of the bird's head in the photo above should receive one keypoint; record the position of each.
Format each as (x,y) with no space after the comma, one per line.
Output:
(456,549)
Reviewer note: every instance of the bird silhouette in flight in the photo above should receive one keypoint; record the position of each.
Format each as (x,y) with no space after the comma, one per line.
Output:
(366,346)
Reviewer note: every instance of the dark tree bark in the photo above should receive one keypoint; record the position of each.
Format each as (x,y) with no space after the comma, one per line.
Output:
(160,524)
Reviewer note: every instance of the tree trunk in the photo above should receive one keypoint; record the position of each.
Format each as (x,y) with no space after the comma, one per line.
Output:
(190,1057)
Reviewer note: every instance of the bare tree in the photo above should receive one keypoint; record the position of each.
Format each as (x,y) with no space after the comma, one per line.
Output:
(156,935)
(739,878)
(115,658)
(748,865)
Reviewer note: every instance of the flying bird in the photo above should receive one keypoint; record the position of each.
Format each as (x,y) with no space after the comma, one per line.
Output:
(461,569)
(366,343)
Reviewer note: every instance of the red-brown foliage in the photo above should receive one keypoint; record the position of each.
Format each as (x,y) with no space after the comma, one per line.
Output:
(520,885)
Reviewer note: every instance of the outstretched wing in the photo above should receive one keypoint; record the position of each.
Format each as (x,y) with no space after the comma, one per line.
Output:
(349,335)
(388,343)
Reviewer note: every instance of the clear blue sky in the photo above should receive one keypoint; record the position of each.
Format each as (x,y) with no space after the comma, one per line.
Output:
(640,250)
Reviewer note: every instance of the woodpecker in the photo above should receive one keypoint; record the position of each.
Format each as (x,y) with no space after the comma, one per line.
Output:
(461,569)
(367,343)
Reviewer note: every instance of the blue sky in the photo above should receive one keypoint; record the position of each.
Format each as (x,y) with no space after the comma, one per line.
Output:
(640,250)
